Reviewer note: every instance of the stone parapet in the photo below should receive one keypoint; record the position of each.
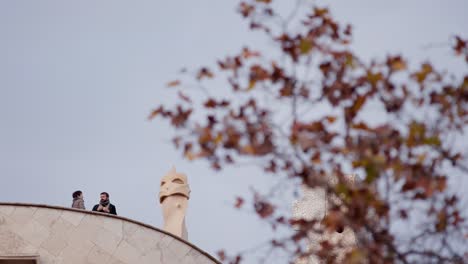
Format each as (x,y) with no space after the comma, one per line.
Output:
(65,235)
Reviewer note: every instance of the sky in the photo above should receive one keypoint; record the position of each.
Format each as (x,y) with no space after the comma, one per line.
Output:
(79,78)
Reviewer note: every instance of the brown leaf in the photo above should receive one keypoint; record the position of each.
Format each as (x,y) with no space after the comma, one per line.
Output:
(440,183)
(246,9)
(210,103)
(248,149)
(180,117)
(461,47)
(442,218)
(221,255)
(305,46)
(204,73)
(251,85)
(360,126)
(408,186)
(358,103)
(247,54)
(316,158)
(264,209)
(276,243)
(397,63)
(320,11)
(190,155)
(173,83)
(287,90)
(331,119)
(422,74)
(239,202)
(374,78)
(316,126)
(184,97)
(155,112)
(258,73)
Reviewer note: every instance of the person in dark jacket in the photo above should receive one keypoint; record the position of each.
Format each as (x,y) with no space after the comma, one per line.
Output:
(78,201)
(104,205)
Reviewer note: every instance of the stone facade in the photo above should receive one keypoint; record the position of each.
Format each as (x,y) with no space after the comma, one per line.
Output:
(64,235)
(313,205)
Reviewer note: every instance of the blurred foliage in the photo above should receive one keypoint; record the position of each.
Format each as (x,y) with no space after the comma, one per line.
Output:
(411,152)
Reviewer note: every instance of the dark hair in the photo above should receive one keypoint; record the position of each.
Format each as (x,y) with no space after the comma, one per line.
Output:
(106,194)
(76,194)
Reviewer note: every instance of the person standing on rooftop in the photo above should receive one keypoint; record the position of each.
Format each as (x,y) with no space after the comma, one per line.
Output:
(78,201)
(104,205)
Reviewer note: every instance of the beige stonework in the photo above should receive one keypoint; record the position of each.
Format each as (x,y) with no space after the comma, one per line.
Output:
(313,205)
(63,235)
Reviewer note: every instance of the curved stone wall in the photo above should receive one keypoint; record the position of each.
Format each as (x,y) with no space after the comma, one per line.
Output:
(65,235)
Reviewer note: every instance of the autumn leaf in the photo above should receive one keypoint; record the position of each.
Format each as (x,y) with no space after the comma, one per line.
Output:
(264,209)
(358,103)
(180,116)
(155,112)
(184,97)
(246,9)
(190,155)
(173,83)
(218,139)
(204,73)
(210,103)
(247,53)
(248,149)
(397,63)
(239,202)
(416,134)
(258,73)
(221,255)
(350,61)
(422,74)
(316,158)
(372,172)
(251,85)
(360,126)
(442,218)
(305,46)
(374,78)
(286,90)
(434,141)
(320,11)
(422,157)
(331,119)
(440,183)
(461,47)
(408,186)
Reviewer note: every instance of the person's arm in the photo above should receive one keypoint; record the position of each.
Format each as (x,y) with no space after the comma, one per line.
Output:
(81,205)
(95,208)
(113,210)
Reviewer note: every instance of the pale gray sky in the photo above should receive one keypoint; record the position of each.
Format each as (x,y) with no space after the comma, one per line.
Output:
(78,79)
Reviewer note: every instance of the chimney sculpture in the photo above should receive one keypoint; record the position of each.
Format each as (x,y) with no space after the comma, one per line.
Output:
(173,197)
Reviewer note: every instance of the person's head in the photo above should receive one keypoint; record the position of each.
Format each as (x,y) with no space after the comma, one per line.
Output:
(77,194)
(104,196)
